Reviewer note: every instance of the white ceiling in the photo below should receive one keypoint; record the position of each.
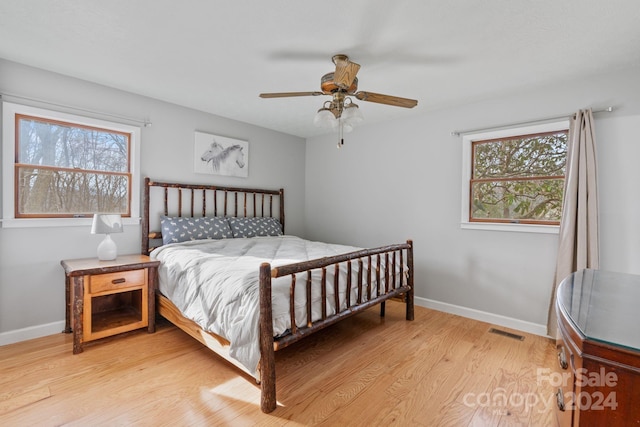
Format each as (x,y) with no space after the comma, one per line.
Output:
(217,56)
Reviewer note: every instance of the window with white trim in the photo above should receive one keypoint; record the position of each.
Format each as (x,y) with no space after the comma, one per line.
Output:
(63,166)
(514,177)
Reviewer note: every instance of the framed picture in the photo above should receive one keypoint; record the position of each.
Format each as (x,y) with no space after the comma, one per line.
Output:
(221,155)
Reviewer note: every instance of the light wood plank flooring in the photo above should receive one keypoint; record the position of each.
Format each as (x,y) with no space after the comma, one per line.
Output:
(439,370)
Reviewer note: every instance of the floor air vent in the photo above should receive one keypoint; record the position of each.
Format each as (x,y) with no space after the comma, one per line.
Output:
(506,334)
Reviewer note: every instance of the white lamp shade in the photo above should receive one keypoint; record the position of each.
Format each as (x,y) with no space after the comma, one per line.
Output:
(325,119)
(346,126)
(106,224)
(352,115)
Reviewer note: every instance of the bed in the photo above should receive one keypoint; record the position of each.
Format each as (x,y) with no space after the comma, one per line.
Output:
(231,278)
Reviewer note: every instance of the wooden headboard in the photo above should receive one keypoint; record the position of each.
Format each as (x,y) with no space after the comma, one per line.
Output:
(193,200)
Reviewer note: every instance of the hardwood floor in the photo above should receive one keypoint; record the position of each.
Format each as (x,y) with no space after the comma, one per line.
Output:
(439,370)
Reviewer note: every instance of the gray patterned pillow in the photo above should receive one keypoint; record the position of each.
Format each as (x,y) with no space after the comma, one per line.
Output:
(251,227)
(181,229)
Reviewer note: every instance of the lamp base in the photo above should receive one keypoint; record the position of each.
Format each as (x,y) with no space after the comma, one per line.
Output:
(107,249)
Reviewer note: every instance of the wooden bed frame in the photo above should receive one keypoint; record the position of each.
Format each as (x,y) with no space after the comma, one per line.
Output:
(207,200)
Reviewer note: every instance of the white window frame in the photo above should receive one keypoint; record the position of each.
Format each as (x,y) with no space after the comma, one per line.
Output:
(9,111)
(467,140)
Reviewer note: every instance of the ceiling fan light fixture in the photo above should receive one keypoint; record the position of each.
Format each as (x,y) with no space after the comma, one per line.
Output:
(341,112)
(325,119)
(351,114)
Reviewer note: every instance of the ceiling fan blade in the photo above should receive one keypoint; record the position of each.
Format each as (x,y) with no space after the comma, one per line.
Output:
(345,72)
(386,99)
(288,94)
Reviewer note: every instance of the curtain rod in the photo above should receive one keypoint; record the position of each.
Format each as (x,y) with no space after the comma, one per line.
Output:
(529,122)
(145,122)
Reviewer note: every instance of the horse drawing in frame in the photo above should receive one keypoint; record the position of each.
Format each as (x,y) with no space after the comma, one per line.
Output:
(225,161)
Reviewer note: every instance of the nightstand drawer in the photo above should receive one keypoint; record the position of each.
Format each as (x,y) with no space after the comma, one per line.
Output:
(112,281)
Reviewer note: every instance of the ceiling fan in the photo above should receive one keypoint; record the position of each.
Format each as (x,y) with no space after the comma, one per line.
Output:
(341,85)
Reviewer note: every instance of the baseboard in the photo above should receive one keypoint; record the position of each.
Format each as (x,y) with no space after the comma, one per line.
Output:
(31,332)
(483,316)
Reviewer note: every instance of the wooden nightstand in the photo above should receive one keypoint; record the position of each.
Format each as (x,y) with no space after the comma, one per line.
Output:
(105,298)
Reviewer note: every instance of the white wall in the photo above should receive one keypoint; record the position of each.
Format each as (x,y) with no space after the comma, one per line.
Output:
(31,278)
(410,168)
(401,180)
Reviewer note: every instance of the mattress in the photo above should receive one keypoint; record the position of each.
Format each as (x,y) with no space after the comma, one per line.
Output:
(215,283)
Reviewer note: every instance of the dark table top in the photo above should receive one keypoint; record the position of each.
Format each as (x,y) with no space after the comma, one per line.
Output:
(604,306)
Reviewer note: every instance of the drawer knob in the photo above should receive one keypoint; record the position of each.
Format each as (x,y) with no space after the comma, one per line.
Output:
(118,281)
(562,358)
(560,399)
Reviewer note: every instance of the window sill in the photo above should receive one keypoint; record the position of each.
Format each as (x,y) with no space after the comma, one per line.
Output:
(520,228)
(56,222)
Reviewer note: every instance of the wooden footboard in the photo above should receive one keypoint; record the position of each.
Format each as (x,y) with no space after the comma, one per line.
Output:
(387,287)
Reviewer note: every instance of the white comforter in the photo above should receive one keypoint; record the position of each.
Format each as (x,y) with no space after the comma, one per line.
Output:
(215,284)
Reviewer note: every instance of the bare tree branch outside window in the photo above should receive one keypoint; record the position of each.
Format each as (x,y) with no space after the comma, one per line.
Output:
(65,169)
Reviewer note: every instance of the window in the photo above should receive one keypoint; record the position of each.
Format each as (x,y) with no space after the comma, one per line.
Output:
(64,169)
(515,177)
(60,166)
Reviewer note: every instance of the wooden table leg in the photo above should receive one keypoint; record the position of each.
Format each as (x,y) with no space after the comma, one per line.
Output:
(152,299)
(67,312)
(78,312)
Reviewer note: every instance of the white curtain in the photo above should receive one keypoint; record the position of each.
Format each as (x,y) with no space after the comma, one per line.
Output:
(578,243)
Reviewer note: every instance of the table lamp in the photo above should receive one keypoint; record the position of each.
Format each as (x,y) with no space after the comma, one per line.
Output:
(107,224)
